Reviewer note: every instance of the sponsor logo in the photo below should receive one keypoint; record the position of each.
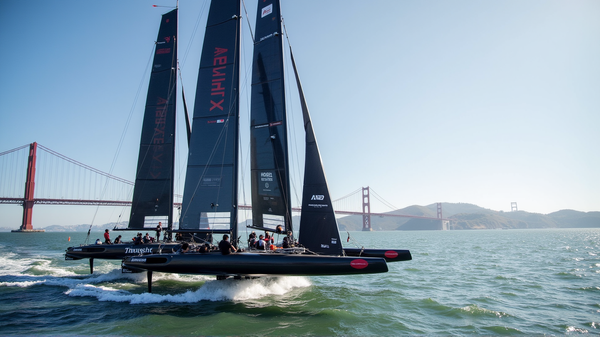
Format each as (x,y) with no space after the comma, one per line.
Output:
(267,36)
(145,250)
(319,197)
(218,121)
(163,51)
(390,254)
(333,241)
(218,78)
(266,176)
(138,259)
(318,206)
(324,246)
(77,250)
(266,11)
(275,123)
(359,264)
(211,181)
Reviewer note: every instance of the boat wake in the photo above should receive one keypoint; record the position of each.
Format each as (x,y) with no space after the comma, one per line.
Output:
(109,284)
(225,290)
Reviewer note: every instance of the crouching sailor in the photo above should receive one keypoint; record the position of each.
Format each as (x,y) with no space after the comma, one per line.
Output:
(225,246)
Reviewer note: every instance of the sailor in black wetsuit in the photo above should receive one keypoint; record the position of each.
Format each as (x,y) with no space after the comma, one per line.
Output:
(225,246)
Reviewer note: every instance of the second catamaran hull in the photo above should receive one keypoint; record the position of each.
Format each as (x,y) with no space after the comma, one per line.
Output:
(255,264)
(390,255)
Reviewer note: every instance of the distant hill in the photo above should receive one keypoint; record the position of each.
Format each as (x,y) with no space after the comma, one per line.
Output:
(461,216)
(469,216)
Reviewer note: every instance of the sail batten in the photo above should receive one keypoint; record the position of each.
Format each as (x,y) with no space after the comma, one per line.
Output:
(153,190)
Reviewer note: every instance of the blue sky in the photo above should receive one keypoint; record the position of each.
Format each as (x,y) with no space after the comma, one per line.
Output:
(483,102)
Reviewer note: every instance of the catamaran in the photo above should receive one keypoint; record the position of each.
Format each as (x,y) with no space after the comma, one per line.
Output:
(210,202)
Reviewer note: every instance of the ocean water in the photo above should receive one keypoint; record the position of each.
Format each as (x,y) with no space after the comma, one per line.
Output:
(493,282)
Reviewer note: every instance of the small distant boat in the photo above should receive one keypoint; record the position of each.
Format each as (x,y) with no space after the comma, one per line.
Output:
(153,190)
(210,195)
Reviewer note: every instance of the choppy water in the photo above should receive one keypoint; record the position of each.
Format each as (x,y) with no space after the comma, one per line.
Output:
(496,282)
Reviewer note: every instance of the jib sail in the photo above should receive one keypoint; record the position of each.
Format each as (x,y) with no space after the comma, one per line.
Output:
(318,226)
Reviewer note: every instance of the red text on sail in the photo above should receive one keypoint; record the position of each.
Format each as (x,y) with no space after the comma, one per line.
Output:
(218,78)
(158,139)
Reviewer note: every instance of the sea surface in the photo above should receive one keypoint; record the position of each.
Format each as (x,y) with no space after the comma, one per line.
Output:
(492,282)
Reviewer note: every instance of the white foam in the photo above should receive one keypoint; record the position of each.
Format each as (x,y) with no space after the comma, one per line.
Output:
(24,281)
(19,271)
(225,290)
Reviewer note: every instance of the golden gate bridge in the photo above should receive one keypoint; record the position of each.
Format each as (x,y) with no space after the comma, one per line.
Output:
(34,174)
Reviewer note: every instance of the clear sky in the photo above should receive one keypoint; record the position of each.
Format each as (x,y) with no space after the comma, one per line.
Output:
(483,102)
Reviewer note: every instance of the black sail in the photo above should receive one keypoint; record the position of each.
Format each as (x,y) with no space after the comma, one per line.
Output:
(318,226)
(153,190)
(268,127)
(210,191)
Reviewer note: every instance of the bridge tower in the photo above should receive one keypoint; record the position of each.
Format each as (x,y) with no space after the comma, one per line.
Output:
(366,209)
(513,207)
(439,216)
(28,201)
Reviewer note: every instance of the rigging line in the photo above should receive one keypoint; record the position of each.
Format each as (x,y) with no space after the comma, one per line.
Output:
(248,21)
(122,139)
(245,163)
(194,31)
(293,132)
(244,88)
(210,158)
(182,167)
(170,93)
(235,103)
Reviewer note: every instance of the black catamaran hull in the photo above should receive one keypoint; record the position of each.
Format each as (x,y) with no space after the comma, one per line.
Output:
(255,264)
(118,251)
(390,255)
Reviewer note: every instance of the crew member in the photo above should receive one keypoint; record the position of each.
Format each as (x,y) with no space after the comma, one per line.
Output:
(252,239)
(225,246)
(107,237)
(261,244)
(158,230)
(185,247)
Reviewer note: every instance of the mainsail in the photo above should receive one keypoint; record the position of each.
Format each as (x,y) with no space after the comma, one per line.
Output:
(210,191)
(268,127)
(153,190)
